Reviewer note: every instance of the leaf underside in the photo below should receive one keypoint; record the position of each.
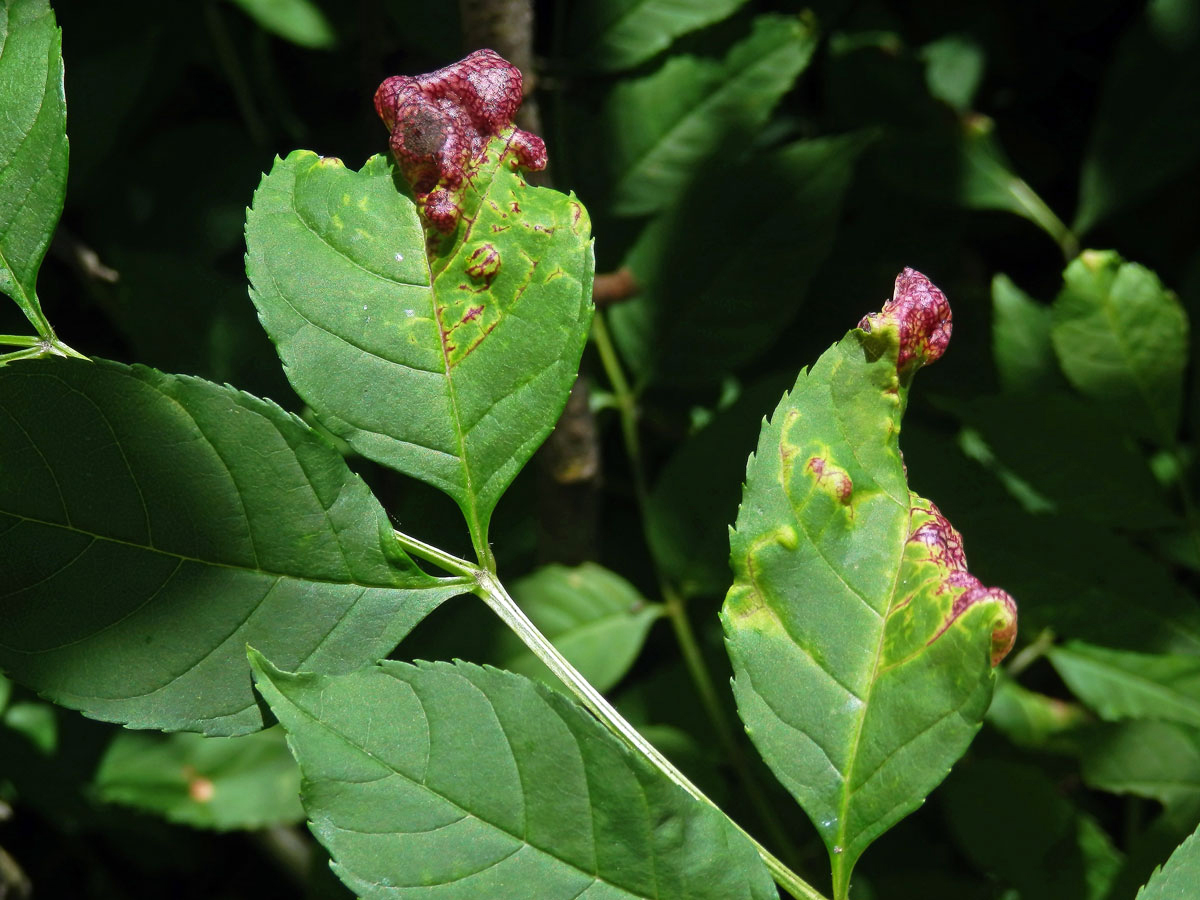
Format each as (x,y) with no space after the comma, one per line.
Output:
(553,807)
(451,367)
(151,525)
(858,680)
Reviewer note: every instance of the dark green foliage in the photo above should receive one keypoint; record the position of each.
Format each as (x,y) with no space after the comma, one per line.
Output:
(763,173)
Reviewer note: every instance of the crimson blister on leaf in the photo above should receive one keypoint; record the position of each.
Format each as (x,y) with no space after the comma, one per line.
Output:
(441,124)
(943,544)
(921,313)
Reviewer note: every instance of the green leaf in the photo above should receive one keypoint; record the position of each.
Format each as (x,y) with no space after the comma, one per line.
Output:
(987,181)
(1021,344)
(1119,684)
(1122,339)
(595,617)
(1024,442)
(208,782)
(669,122)
(36,721)
(33,148)
(954,67)
(444,780)
(1177,879)
(1147,758)
(151,525)
(1027,834)
(619,34)
(450,377)
(702,310)
(298,21)
(1034,720)
(1147,126)
(688,529)
(862,652)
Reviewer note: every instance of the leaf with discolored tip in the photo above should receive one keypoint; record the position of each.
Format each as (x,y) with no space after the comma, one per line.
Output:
(33,148)
(451,780)
(152,524)
(862,647)
(452,367)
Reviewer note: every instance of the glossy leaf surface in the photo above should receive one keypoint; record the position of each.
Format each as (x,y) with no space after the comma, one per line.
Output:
(151,525)
(456,781)
(620,34)
(451,368)
(680,115)
(207,782)
(695,322)
(33,147)
(862,653)
(1122,339)
(594,616)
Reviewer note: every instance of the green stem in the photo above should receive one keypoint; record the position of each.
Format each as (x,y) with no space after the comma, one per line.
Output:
(1040,213)
(30,353)
(494,595)
(1031,653)
(21,340)
(626,401)
(239,83)
(676,605)
(432,554)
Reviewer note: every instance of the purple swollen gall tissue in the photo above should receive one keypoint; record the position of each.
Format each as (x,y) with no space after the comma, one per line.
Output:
(921,314)
(441,123)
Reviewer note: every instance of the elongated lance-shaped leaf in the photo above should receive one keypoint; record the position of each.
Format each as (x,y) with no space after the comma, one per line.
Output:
(1120,684)
(151,525)
(452,371)
(619,34)
(862,647)
(33,147)
(448,780)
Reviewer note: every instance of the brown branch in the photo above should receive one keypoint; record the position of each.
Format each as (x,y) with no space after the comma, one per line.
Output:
(611,288)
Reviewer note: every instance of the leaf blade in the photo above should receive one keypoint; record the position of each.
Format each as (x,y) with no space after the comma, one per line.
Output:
(364,325)
(385,790)
(858,675)
(620,35)
(33,148)
(193,518)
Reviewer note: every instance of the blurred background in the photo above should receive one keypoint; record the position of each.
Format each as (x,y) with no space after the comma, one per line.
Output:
(757,173)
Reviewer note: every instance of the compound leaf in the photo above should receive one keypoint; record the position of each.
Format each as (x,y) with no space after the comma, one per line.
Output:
(151,525)
(862,648)
(451,780)
(33,147)
(451,369)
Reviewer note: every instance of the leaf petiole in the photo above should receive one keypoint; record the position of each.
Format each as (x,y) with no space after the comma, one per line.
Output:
(492,592)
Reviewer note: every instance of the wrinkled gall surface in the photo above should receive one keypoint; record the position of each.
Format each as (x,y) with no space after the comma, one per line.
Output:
(920,311)
(441,124)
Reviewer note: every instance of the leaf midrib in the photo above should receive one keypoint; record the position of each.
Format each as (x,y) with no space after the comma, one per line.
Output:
(347,741)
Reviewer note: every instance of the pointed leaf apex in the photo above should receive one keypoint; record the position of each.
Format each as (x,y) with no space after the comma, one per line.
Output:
(920,313)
